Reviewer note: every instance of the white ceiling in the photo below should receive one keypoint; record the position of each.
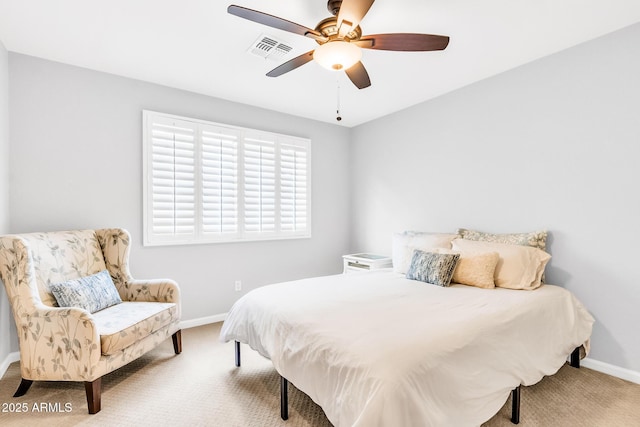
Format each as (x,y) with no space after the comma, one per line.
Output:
(197,46)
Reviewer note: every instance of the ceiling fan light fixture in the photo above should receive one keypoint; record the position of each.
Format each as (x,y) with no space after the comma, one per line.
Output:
(337,55)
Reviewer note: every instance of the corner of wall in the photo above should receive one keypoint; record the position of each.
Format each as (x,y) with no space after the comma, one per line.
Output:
(5,311)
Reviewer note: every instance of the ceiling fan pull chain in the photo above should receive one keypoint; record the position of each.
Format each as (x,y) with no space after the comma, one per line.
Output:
(338,117)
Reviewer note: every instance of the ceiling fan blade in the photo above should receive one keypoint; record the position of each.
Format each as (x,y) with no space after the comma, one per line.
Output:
(291,64)
(358,75)
(351,13)
(274,21)
(408,42)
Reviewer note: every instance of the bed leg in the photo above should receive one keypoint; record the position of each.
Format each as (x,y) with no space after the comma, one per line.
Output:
(284,399)
(515,405)
(575,358)
(237,353)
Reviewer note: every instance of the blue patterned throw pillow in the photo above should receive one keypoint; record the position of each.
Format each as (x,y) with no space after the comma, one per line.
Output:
(433,268)
(92,293)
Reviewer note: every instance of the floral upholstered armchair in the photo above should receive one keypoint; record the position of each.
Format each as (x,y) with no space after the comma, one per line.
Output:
(83,341)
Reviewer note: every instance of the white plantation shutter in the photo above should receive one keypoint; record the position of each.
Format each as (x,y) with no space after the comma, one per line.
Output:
(294,195)
(173,179)
(259,186)
(209,182)
(219,181)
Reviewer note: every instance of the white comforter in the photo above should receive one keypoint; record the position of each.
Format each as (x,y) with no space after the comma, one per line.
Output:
(375,349)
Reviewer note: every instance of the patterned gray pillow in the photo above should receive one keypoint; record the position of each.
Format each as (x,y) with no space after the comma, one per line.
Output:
(535,239)
(92,293)
(433,268)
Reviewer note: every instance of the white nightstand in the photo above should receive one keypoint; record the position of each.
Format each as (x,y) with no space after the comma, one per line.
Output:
(365,262)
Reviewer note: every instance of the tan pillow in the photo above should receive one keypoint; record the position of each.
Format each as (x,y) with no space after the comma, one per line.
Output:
(477,269)
(406,242)
(519,267)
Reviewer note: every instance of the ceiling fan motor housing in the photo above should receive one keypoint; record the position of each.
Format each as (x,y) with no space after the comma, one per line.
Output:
(329,28)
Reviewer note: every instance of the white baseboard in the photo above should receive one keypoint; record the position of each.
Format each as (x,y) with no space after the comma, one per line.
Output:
(613,370)
(186,324)
(11,357)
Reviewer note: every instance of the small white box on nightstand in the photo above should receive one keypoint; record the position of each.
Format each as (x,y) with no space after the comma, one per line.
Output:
(365,262)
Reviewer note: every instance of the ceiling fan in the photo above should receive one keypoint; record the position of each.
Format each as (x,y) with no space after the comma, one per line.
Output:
(340,39)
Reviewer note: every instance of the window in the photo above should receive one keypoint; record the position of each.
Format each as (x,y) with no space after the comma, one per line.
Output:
(209,182)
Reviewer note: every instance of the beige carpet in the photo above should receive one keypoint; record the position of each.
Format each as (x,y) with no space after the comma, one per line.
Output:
(202,387)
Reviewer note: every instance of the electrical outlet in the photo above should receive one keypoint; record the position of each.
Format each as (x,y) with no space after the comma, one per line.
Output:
(238,285)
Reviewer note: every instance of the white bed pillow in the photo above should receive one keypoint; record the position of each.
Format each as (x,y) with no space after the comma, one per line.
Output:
(535,239)
(403,245)
(519,267)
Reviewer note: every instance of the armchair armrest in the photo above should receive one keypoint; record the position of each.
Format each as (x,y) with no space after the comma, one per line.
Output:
(156,290)
(58,344)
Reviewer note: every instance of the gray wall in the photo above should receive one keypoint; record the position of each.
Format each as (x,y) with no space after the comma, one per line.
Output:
(5,311)
(76,155)
(551,145)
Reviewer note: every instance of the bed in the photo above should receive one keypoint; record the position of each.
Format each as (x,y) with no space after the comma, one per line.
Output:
(377,348)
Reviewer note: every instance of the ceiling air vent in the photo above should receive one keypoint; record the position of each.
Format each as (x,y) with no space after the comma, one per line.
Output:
(269,47)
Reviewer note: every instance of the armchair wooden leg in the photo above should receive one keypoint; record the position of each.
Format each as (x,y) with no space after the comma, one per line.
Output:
(93,389)
(23,388)
(177,342)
